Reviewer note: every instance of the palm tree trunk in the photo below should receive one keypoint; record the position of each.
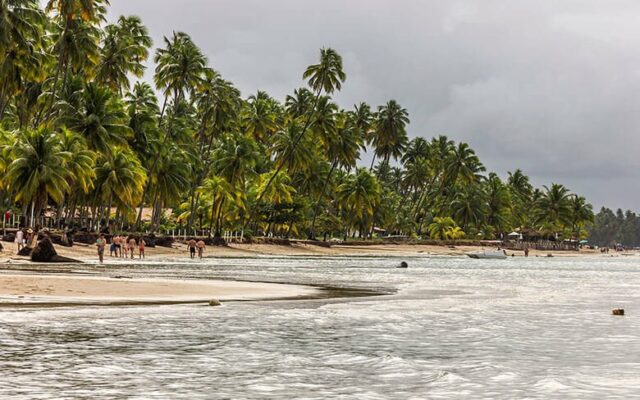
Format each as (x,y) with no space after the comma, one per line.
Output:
(213,215)
(317,207)
(372,161)
(219,218)
(109,209)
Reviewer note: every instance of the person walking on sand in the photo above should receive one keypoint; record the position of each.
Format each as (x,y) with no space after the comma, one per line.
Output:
(141,247)
(100,244)
(20,239)
(132,246)
(200,246)
(192,248)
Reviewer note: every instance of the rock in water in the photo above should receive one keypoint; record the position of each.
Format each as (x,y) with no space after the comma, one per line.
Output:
(403,265)
(618,311)
(214,302)
(44,251)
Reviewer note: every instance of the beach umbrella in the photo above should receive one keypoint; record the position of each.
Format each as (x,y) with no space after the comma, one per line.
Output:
(584,241)
(514,234)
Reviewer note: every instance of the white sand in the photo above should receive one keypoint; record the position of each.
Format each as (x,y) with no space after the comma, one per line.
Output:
(65,289)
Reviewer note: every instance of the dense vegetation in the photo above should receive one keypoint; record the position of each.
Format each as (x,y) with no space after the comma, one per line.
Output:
(82,140)
(609,228)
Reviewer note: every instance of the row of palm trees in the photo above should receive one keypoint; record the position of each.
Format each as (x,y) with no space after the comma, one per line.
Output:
(80,140)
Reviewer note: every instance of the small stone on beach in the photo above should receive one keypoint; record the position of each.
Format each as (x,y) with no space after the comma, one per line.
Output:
(214,302)
(618,311)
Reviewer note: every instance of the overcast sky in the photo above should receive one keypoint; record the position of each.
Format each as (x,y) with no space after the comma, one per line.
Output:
(551,87)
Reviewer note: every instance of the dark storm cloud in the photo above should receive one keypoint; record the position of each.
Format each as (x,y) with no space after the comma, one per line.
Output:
(550,87)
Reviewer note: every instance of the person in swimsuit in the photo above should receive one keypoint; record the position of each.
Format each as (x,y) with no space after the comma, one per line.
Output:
(141,247)
(124,250)
(100,244)
(192,248)
(132,246)
(200,246)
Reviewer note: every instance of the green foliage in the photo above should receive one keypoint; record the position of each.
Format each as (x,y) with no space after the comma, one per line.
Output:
(78,138)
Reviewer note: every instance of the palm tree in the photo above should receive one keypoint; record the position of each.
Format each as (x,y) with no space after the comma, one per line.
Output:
(287,153)
(124,51)
(179,67)
(142,108)
(390,135)
(325,76)
(20,35)
(443,228)
(39,170)
(359,195)
(498,204)
(581,213)
(219,191)
(100,118)
(343,147)
(553,208)
(120,177)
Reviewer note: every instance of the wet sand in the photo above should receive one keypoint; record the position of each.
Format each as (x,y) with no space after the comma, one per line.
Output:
(68,289)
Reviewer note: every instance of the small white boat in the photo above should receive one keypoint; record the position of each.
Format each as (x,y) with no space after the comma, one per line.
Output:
(491,254)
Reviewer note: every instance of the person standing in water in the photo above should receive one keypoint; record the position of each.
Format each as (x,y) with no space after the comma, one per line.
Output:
(200,246)
(192,248)
(132,246)
(141,247)
(100,244)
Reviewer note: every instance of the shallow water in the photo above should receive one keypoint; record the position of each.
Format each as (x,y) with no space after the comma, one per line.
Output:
(454,328)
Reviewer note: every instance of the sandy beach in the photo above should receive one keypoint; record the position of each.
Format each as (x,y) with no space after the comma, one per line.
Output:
(27,283)
(43,289)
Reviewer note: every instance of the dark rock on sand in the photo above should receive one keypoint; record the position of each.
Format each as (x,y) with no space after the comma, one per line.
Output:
(45,252)
(403,265)
(25,251)
(214,302)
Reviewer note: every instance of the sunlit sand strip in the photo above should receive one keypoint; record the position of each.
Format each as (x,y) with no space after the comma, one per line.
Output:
(51,290)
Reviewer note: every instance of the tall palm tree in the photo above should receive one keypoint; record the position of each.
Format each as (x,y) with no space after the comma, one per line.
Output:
(343,147)
(390,135)
(21,29)
(39,170)
(326,76)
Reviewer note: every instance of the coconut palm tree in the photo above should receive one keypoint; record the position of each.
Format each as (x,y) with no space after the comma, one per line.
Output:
(359,195)
(343,147)
(443,228)
(21,29)
(553,208)
(325,76)
(120,178)
(124,51)
(581,213)
(179,67)
(99,117)
(39,170)
(390,135)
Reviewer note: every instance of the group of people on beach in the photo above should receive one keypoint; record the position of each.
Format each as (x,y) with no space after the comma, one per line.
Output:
(193,245)
(121,247)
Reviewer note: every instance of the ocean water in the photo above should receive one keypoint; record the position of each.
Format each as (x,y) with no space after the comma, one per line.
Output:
(446,328)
